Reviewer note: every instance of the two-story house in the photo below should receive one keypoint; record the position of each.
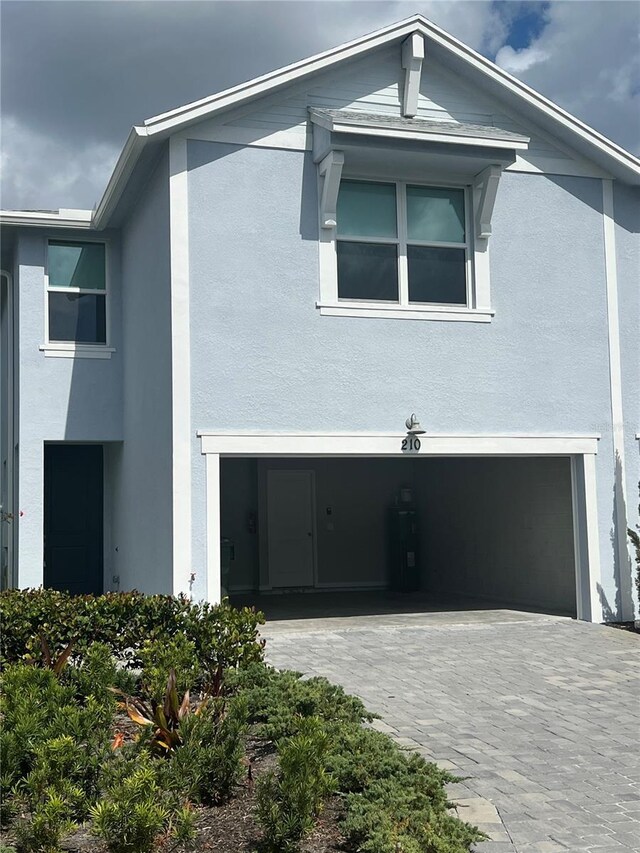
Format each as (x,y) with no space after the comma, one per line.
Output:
(276,279)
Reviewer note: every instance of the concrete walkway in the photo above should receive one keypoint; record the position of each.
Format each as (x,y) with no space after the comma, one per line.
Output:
(541,713)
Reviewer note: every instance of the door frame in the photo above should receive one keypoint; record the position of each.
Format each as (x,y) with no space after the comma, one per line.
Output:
(580,449)
(265,585)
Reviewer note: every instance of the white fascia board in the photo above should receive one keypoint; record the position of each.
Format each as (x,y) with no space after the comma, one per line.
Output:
(127,160)
(390,444)
(432,136)
(77,219)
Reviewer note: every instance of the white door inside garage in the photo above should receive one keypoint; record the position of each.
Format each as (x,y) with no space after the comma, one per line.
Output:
(290,527)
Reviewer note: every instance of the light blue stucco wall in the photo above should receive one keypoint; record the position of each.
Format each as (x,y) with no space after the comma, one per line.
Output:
(141,499)
(263,358)
(627,231)
(60,399)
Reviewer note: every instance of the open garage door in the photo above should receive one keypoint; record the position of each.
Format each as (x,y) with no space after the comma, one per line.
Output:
(494,531)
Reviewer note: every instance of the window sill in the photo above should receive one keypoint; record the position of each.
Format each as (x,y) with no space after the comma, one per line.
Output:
(64,350)
(409,312)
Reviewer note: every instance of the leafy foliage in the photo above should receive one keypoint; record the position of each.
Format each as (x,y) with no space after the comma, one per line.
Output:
(290,799)
(279,701)
(224,637)
(163,719)
(135,812)
(46,827)
(210,761)
(177,654)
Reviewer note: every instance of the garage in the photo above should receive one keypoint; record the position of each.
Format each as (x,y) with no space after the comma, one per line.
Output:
(501,527)
(492,531)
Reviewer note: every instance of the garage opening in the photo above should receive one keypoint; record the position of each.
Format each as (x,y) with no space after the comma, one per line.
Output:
(327,535)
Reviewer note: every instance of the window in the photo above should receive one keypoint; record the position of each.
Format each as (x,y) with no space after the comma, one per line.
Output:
(76,279)
(402,243)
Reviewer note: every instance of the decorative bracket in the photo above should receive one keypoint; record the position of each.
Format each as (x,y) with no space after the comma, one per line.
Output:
(331,168)
(485,188)
(412,58)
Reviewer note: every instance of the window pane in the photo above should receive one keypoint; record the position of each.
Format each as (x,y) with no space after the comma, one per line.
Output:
(367,271)
(77,317)
(366,210)
(76,265)
(435,215)
(437,275)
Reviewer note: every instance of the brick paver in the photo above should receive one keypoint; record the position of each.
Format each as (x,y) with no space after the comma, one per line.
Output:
(542,715)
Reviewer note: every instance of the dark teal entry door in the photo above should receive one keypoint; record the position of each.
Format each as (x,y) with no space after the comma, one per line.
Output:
(73,518)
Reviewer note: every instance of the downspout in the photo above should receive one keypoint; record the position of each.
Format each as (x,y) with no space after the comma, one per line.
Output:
(10,509)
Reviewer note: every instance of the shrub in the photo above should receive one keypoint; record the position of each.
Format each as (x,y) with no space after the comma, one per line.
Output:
(44,829)
(290,799)
(393,814)
(210,761)
(52,746)
(135,813)
(224,637)
(279,701)
(159,657)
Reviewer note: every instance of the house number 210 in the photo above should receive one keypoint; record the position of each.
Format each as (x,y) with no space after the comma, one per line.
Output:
(411,443)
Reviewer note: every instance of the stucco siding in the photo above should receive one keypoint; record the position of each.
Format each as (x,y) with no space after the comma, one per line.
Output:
(141,497)
(263,358)
(60,399)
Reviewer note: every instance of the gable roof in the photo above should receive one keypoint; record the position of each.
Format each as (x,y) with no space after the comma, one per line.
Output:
(440,46)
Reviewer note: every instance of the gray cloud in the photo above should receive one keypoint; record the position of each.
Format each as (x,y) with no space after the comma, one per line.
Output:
(77,75)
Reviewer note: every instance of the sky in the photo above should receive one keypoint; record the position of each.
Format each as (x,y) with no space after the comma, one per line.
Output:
(75,75)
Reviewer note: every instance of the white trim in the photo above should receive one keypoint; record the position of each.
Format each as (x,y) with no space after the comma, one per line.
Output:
(485,189)
(180,364)
(430,135)
(330,170)
(77,219)
(390,444)
(400,312)
(214,559)
(592,537)
(124,167)
(581,448)
(615,381)
(78,349)
(70,350)
(412,59)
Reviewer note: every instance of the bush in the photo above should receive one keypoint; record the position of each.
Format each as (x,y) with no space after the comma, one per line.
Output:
(223,636)
(210,761)
(290,799)
(135,813)
(279,701)
(44,830)
(159,657)
(52,747)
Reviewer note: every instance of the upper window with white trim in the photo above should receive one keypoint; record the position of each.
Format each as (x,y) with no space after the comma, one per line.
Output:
(405,209)
(76,292)
(402,243)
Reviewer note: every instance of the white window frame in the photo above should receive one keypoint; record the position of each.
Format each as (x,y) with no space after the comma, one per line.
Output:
(477,308)
(73,349)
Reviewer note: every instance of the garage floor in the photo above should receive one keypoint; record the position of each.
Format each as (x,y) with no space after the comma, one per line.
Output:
(292,607)
(539,712)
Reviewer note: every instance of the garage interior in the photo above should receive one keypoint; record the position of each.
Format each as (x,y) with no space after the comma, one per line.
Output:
(326,536)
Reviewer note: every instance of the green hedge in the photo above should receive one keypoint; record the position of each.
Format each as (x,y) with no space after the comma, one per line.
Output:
(223,636)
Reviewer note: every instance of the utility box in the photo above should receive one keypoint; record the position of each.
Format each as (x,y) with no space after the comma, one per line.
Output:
(404,566)
(227,554)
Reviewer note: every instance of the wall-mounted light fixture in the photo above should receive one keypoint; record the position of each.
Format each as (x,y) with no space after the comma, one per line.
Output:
(413,426)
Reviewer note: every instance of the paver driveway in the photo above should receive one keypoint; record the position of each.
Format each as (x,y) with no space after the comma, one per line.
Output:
(542,714)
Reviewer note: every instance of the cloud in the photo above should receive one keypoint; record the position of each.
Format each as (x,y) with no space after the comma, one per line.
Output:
(587,60)
(77,75)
